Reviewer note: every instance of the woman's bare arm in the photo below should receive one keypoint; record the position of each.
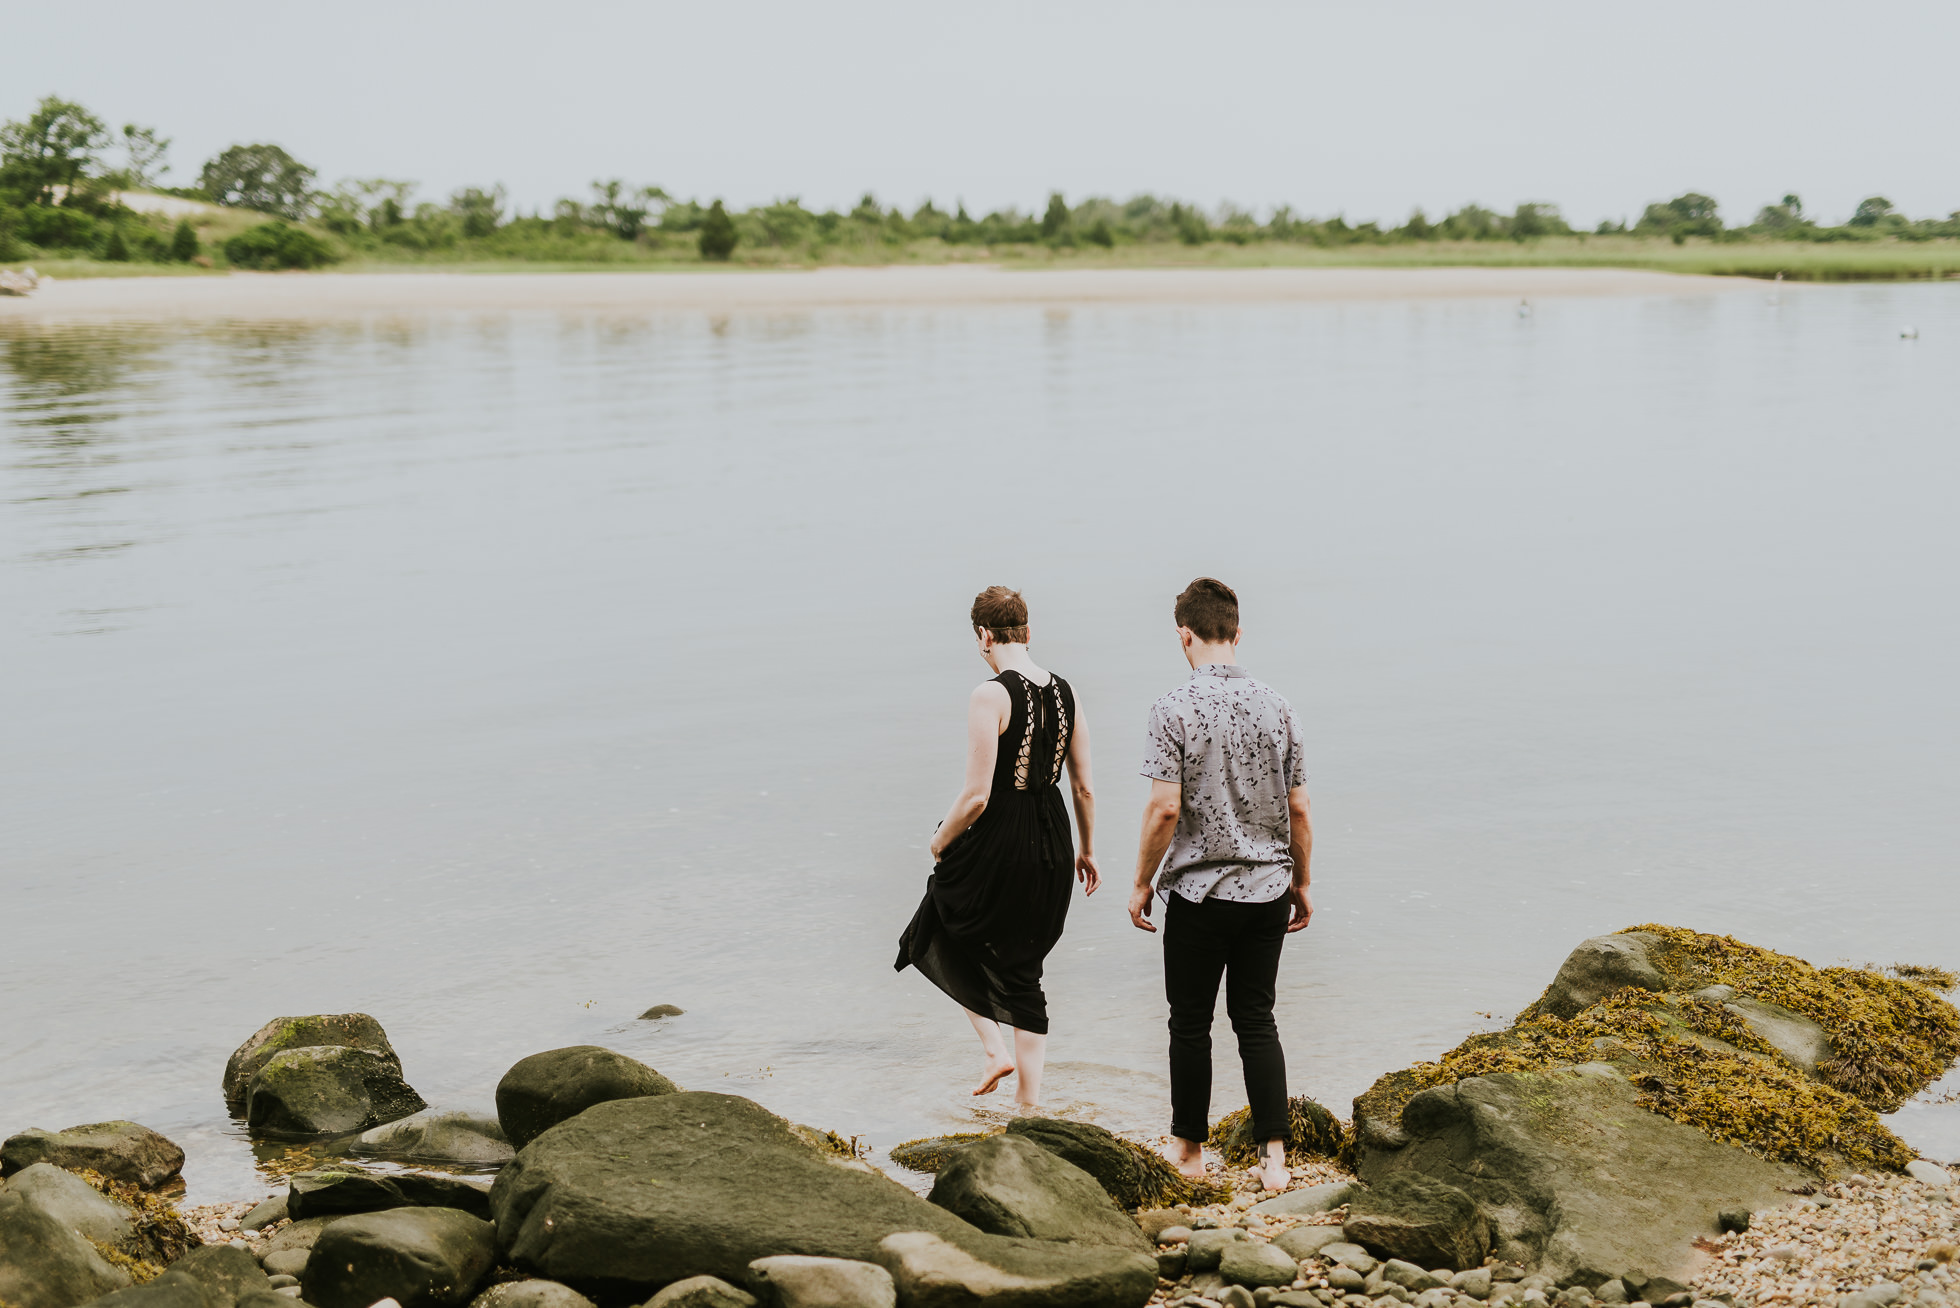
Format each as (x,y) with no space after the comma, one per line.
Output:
(1083,787)
(986,717)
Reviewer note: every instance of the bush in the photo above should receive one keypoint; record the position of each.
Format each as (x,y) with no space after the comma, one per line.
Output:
(60,228)
(718,235)
(183,242)
(117,250)
(277,245)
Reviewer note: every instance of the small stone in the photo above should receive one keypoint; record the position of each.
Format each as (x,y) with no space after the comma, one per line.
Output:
(659,1011)
(1251,1263)
(286,1262)
(281,1282)
(1785,1253)
(1733,1220)
(1170,1264)
(227,1223)
(1174,1235)
(1475,1282)
(1614,1291)
(268,1211)
(292,1292)
(1205,1248)
(1346,1280)
(1235,1296)
(1308,1241)
(702,1292)
(1929,1174)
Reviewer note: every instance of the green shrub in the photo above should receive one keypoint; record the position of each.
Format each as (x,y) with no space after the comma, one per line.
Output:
(117,250)
(277,245)
(183,242)
(718,234)
(61,228)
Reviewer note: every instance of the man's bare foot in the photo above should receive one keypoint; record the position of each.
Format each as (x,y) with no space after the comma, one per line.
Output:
(1188,1157)
(1272,1170)
(996,1073)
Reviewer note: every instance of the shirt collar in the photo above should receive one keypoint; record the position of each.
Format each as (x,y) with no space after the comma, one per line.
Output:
(1219,670)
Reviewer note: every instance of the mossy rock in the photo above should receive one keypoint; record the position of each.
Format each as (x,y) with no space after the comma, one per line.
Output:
(930,1153)
(350,1030)
(327,1090)
(1316,1134)
(1134,1176)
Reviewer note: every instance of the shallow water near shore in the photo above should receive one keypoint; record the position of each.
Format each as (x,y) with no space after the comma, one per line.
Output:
(502,675)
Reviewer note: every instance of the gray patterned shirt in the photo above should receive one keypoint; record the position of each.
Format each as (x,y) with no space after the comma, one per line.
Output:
(1233,744)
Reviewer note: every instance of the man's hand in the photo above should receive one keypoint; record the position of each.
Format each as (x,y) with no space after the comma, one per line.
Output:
(1301,899)
(1140,899)
(1087,873)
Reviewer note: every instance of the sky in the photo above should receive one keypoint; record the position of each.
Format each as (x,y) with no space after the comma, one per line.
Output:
(1367,110)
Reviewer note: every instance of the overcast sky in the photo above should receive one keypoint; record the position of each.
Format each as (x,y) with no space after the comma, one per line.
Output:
(1366,109)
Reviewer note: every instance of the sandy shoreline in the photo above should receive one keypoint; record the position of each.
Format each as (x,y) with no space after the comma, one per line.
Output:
(332,295)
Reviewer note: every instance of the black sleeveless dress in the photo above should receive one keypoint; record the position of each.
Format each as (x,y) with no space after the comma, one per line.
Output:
(996,900)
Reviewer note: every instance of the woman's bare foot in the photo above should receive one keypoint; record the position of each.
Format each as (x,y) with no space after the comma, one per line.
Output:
(998,1069)
(1272,1170)
(1188,1157)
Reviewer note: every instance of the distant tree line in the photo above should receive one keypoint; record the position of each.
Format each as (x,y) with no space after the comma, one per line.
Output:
(63,173)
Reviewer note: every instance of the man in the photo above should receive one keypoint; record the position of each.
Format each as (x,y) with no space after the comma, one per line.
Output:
(1226,842)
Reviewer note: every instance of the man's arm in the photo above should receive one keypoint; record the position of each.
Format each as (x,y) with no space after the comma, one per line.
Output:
(1159,825)
(1300,845)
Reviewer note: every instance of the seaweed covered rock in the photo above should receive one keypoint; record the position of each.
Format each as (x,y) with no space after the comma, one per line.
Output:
(419,1257)
(123,1220)
(1316,1133)
(930,1153)
(1135,1177)
(327,1090)
(440,1136)
(121,1151)
(541,1091)
(1008,1185)
(349,1030)
(47,1264)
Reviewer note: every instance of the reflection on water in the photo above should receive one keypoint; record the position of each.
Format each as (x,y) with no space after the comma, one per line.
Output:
(504,675)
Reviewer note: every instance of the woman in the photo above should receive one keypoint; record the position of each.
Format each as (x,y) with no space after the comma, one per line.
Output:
(999,889)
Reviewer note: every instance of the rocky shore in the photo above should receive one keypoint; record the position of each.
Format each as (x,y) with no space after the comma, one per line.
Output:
(1681,1121)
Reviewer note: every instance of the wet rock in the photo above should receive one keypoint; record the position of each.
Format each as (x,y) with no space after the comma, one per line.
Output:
(420,1257)
(1009,1186)
(349,1030)
(1305,1203)
(931,1272)
(1600,966)
(1733,1219)
(228,1274)
(1100,1153)
(800,1281)
(1308,1241)
(327,1090)
(46,1264)
(327,1192)
(265,1214)
(121,1151)
(1205,1248)
(1248,1262)
(531,1294)
(659,1011)
(541,1091)
(440,1136)
(1412,1216)
(74,1203)
(702,1292)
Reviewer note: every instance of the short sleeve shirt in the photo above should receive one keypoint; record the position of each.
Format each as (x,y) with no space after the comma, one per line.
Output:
(1233,744)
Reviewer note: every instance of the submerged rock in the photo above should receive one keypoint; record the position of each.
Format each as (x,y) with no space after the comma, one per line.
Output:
(659,1011)
(327,1090)
(348,1030)
(121,1151)
(545,1089)
(440,1136)
(1008,1185)
(419,1257)
(45,1263)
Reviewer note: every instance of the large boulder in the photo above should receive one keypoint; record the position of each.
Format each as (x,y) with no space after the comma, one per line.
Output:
(121,1151)
(173,1289)
(545,1089)
(327,1192)
(350,1030)
(1415,1217)
(419,1257)
(1007,1185)
(633,1194)
(74,1203)
(228,1273)
(440,1136)
(1572,1174)
(1600,966)
(1119,1167)
(47,1264)
(327,1090)
(931,1271)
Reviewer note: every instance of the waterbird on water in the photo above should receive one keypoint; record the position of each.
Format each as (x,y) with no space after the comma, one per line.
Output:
(1524,308)
(1908,333)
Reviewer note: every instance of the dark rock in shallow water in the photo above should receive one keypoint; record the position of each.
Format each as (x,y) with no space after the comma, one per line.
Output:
(326,1192)
(702,1292)
(1008,1185)
(440,1136)
(531,1294)
(659,1011)
(1424,1221)
(327,1090)
(633,1194)
(349,1030)
(46,1264)
(1631,1190)
(932,1272)
(545,1089)
(121,1151)
(933,1152)
(419,1257)
(269,1211)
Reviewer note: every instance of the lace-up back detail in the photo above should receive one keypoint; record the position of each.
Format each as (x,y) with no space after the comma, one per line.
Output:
(1045,726)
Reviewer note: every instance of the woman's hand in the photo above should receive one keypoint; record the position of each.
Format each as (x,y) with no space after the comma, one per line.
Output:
(1087,872)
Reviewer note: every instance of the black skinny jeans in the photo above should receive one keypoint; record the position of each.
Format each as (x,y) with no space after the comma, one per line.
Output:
(1241,943)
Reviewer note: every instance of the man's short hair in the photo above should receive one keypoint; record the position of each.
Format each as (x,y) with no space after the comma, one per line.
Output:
(1002,612)
(1210,608)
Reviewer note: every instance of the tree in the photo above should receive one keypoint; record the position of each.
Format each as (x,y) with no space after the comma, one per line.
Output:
(145,152)
(117,250)
(262,177)
(718,236)
(1784,217)
(1689,214)
(1871,211)
(183,242)
(622,209)
(481,211)
(1533,220)
(1055,221)
(60,144)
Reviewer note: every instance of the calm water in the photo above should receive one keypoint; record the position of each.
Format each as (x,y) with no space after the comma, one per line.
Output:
(504,676)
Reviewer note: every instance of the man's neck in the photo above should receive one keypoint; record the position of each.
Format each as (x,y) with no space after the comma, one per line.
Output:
(1200,653)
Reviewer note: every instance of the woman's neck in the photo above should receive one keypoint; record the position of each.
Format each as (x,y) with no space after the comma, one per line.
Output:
(1014,658)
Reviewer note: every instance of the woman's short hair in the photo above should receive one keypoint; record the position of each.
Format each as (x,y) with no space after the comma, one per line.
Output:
(1210,609)
(1002,612)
